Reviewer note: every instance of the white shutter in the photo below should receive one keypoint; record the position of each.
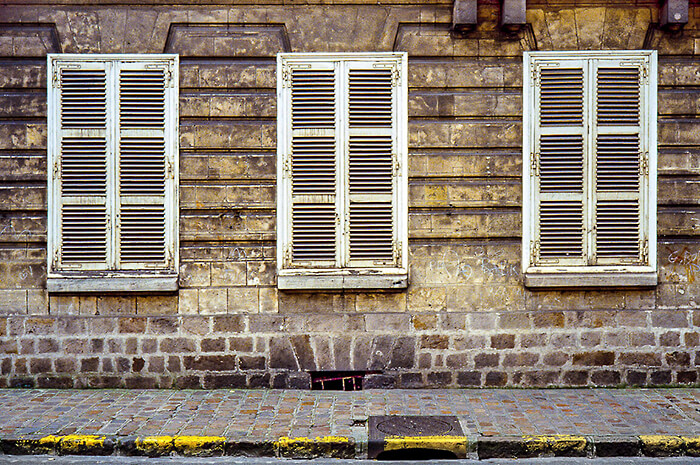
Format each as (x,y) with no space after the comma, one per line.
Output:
(370,192)
(81,180)
(145,166)
(311,164)
(559,163)
(621,166)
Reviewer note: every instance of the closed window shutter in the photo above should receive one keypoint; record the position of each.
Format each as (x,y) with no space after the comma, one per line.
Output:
(81,181)
(312,164)
(145,166)
(371,164)
(559,163)
(621,169)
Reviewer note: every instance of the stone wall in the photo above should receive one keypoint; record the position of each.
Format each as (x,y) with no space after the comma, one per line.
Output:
(466,319)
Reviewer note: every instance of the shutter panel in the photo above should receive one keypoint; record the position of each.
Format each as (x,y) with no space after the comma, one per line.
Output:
(313,164)
(371,161)
(82,166)
(559,162)
(619,169)
(144,166)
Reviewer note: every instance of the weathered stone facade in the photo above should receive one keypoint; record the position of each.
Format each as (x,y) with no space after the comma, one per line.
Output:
(466,318)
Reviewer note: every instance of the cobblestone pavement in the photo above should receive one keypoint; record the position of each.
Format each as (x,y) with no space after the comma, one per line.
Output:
(271,414)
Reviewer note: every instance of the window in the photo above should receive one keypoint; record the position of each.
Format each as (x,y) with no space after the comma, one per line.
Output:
(589,171)
(341,153)
(112,163)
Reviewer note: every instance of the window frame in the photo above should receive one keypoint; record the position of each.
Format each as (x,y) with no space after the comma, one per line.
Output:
(583,276)
(343,277)
(126,277)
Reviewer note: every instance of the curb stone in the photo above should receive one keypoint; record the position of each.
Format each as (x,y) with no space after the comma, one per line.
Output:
(481,447)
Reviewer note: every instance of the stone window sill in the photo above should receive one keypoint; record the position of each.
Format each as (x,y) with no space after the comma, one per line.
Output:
(135,283)
(309,280)
(594,278)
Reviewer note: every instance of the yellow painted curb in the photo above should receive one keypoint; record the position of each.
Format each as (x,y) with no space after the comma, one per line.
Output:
(303,447)
(692,445)
(670,445)
(155,445)
(199,445)
(455,444)
(556,444)
(80,443)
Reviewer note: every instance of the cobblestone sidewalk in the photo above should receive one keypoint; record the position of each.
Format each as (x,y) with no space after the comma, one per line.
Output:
(266,415)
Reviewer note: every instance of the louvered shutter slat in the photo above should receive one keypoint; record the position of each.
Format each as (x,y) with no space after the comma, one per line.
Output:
(142,172)
(83,166)
(560,158)
(617,190)
(313,162)
(371,166)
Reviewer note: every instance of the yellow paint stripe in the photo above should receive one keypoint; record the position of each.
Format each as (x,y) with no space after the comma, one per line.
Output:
(194,445)
(454,444)
(556,444)
(155,445)
(308,447)
(692,445)
(662,443)
(76,443)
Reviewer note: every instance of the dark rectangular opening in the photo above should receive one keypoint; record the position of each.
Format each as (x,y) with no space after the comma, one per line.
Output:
(337,380)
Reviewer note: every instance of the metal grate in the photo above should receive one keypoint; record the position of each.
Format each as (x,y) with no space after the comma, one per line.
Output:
(337,380)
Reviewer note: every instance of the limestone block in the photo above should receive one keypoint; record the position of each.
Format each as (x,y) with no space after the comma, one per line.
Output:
(485,298)
(450,134)
(676,191)
(23,76)
(259,195)
(465,194)
(37,302)
(236,75)
(23,168)
(64,305)
(212,301)
(88,305)
(188,197)
(23,197)
(242,299)
(677,72)
(112,24)
(261,273)
(381,302)
(83,27)
(13,301)
(268,299)
(302,302)
(195,274)
(233,134)
(488,103)
(18,104)
(678,221)
(228,274)
(116,305)
(249,105)
(422,299)
(157,305)
(557,300)
(139,35)
(228,167)
(674,102)
(188,301)
(590,24)
(194,105)
(387,322)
